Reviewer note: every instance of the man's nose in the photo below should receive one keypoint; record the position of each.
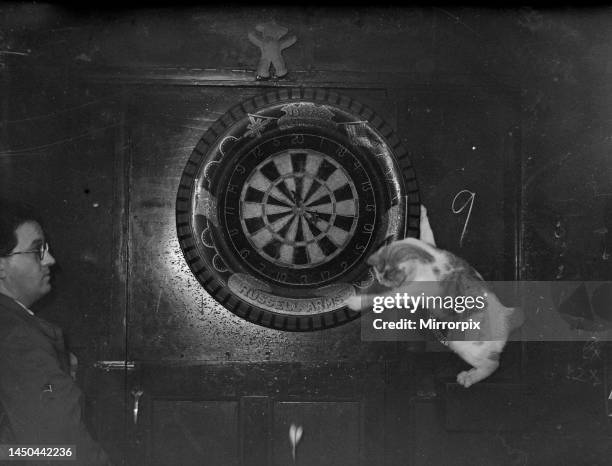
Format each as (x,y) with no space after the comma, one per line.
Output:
(48,259)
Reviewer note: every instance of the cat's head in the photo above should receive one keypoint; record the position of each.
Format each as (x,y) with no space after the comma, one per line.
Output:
(398,262)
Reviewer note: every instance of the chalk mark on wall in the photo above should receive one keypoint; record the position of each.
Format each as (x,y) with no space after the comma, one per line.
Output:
(470,200)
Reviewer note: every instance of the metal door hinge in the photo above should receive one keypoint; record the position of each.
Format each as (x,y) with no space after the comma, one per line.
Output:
(115,365)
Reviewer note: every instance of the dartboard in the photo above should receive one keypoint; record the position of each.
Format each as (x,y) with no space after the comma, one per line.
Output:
(299,208)
(284,198)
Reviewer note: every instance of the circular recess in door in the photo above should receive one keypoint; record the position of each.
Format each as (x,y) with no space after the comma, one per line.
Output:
(284,198)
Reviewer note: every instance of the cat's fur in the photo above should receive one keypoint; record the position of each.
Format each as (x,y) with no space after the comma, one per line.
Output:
(413,266)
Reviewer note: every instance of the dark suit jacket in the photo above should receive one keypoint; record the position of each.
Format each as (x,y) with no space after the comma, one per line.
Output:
(41,401)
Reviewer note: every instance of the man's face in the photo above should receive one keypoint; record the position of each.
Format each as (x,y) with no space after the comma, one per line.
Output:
(24,276)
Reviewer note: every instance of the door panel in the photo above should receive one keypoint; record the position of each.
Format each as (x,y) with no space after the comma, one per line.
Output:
(194,433)
(331,432)
(240,413)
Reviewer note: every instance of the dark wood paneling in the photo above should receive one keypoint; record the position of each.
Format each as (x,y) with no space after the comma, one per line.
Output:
(489,407)
(194,433)
(331,433)
(564,431)
(255,412)
(434,445)
(62,154)
(108,409)
(232,380)
(247,408)
(458,139)
(61,159)
(398,429)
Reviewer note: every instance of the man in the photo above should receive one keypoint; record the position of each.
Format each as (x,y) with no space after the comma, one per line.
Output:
(41,402)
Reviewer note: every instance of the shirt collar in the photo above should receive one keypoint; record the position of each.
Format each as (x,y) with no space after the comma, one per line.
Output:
(24,307)
(7,300)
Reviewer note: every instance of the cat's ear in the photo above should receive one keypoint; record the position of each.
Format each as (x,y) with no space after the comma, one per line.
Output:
(376,259)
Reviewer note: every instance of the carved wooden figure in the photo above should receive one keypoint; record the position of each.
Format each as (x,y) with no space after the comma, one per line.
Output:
(270,42)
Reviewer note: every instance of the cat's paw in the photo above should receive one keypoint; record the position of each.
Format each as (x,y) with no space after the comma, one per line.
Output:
(353,303)
(467,378)
(425,232)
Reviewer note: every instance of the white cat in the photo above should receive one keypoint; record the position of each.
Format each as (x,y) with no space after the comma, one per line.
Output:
(413,266)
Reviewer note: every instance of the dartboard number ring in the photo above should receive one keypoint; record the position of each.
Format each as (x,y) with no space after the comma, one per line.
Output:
(285,197)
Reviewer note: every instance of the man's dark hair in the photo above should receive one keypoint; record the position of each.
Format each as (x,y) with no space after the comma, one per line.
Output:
(12,216)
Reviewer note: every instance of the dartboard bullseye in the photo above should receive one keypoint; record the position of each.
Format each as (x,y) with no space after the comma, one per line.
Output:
(285,197)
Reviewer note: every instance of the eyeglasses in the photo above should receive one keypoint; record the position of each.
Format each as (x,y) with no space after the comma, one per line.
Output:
(44,248)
